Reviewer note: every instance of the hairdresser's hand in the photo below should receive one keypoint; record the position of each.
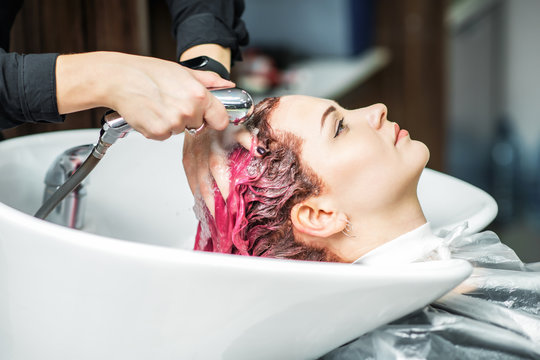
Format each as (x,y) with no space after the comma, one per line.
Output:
(205,161)
(156,97)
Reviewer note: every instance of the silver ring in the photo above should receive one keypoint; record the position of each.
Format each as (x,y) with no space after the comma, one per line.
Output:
(195,131)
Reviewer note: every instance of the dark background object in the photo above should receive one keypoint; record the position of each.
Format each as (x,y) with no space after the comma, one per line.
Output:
(312,28)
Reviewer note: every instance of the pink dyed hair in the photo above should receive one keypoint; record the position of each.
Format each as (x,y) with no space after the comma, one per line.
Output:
(255,219)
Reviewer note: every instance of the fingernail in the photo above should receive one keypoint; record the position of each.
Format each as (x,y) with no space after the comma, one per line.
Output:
(261,150)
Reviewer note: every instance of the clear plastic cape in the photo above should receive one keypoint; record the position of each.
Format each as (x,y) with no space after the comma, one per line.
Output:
(494,314)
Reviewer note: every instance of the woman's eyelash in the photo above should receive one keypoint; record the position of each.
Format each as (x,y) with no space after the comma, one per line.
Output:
(340,128)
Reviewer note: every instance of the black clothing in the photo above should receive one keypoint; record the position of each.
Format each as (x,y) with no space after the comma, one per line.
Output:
(27,89)
(28,82)
(197,22)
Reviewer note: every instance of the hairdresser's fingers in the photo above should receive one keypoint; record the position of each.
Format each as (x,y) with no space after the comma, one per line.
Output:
(215,114)
(211,80)
(190,165)
(247,140)
(219,170)
(207,191)
(244,138)
(195,155)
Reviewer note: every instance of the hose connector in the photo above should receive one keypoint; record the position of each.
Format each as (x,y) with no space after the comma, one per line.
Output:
(113,128)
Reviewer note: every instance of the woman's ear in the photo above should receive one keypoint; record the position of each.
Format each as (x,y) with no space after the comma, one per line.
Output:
(317,218)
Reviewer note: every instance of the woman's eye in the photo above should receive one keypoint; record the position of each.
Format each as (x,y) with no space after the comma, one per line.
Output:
(340,128)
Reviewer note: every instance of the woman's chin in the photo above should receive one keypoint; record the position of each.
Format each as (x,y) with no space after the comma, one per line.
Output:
(415,155)
(426,153)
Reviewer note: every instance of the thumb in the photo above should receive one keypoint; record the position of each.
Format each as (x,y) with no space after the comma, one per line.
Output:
(211,80)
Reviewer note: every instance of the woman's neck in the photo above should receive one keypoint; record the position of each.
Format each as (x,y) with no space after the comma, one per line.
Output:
(372,230)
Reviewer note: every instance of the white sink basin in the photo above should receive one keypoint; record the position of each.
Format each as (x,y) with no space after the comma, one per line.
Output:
(448,202)
(68,294)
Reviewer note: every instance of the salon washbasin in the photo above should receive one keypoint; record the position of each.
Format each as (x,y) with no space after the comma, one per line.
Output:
(128,286)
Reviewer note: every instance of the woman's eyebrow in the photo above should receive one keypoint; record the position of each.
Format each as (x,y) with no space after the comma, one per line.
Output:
(327,112)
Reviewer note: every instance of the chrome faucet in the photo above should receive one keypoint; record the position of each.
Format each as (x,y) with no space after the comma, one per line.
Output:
(70,211)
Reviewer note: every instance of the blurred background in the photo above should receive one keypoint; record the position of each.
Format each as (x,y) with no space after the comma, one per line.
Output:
(460,75)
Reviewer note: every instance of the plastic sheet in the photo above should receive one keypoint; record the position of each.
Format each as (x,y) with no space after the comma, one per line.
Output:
(494,314)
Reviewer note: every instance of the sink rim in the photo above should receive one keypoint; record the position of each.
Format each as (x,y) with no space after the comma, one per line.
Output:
(151,252)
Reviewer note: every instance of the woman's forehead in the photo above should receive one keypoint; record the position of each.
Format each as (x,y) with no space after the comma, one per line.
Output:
(296,111)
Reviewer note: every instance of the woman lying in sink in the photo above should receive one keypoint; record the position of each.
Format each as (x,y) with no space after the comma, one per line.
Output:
(323,183)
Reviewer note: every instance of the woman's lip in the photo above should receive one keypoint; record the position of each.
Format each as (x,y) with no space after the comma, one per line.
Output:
(401,135)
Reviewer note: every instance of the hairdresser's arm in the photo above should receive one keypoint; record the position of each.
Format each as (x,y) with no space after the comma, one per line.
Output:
(205,156)
(197,22)
(215,51)
(27,89)
(156,97)
(212,28)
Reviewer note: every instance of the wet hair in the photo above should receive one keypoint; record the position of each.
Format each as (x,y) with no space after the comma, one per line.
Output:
(255,219)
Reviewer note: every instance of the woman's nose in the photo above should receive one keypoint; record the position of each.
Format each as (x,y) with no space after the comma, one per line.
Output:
(377,115)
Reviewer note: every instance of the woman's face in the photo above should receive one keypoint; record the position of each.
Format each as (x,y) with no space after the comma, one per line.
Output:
(359,154)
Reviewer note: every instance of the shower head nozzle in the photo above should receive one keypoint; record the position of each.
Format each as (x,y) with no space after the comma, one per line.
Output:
(237,102)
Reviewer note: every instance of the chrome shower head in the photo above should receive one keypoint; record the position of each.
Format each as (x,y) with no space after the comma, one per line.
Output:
(237,102)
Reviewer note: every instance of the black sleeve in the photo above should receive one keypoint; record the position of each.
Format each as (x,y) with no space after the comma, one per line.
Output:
(27,89)
(196,22)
